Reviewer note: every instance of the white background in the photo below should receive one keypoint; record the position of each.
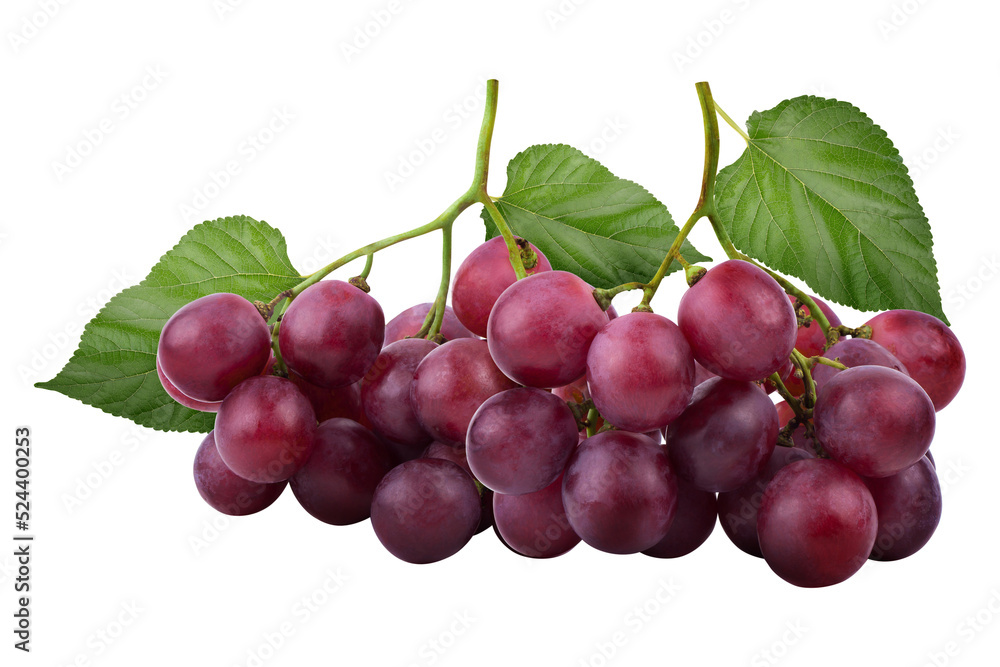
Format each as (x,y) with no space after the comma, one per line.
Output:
(600,75)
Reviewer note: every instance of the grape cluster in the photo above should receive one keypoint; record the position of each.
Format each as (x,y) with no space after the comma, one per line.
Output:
(540,414)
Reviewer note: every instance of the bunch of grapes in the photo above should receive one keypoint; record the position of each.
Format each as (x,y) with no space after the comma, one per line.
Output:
(539,413)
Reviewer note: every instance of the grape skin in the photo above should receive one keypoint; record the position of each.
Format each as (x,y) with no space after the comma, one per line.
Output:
(482,278)
(265,429)
(409,322)
(541,328)
(738,322)
(853,352)
(928,349)
(331,334)
(520,440)
(640,372)
(339,402)
(212,344)
(385,392)
(176,394)
(535,524)
(619,492)
(817,523)
(226,491)
(693,522)
(725,436)
(450,384)
(456,455)
(874,420)
(909,509)
(425,510)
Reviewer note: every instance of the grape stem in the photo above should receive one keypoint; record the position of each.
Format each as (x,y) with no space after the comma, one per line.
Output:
(435,316)
(475,194)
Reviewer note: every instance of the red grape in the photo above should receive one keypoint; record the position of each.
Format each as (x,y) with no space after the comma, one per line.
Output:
(738,321)
(640,372)
(619,492)
(385,392)
(331,333)
(855,352)
(520,440)
(799,437)
(425,510)
(456,455)
(874,420)
(817,523)
(176,394)
(693,522)
(909,508)
(535,524)
(338,481)
(450,384)
(339,402)
(409,322)
(738,508)
(811,340)
(225,490)
(212,344)
(725,435)
(541,328)
(482,278)
(927,347)
(265,429)
(701,373)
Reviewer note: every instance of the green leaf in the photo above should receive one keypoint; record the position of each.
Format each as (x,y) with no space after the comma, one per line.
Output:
(822,194)
(584,219)
(114,368)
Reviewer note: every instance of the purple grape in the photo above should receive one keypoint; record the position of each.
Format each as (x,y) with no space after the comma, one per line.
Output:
(339,402)
(266,429)
(874,420)
(450,384)
(855,352)
(409,322)
(909,509)
(725,436)
(541,328)
(535,524)
(738,321)
(482,278)
(338,481)
(212,344)
(331,334)
(425,510)
(520,440)
(176,394)
(692,524)
(619,492)
(456,455)
(738,508)
(817,523)
(640,372)
(385,392)
(928,349)
(226,491)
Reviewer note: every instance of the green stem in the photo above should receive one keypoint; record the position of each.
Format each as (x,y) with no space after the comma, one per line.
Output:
(512,248)
(475,193)
(368,266)
(800,362)
(280,368)
(442,296)
(826,362)
(793,402)
(592,416)
(733,124)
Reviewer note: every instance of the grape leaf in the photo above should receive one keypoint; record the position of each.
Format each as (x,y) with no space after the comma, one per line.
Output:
(821,193)
(114,368)
(584,219)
